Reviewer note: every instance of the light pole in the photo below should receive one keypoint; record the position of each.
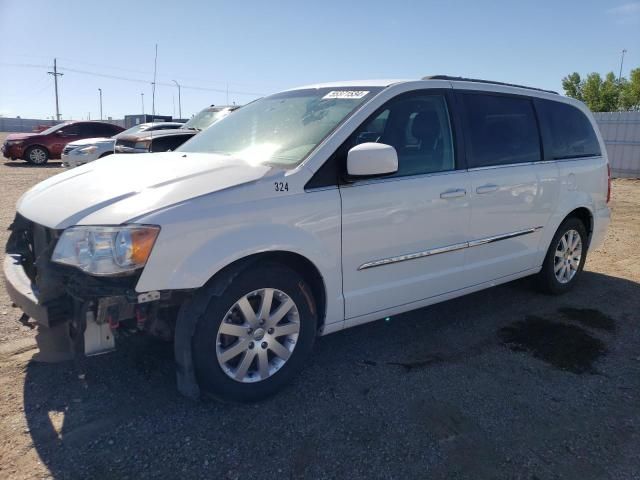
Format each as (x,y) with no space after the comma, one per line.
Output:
(142,100)
(100,90)
(179,99)
(624,50)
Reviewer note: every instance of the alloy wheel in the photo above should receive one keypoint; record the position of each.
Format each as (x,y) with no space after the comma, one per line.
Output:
(567,256)
(37,156)
(257,335)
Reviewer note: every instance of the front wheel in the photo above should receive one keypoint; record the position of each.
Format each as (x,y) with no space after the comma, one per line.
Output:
(254,337)
(565,258)
(37,155)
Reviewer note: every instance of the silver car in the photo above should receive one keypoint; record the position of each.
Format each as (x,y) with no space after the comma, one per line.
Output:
(89,149)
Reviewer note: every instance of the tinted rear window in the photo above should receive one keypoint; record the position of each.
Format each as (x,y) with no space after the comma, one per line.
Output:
(501,130)
(566,131)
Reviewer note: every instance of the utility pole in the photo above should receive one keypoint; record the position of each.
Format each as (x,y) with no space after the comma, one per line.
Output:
(56,74)
(624,50)
(179,99)
(100,90)
(142,99)
(153,100)
(153,92)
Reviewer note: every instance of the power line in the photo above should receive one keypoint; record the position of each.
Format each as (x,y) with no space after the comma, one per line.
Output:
(143,72)
(136,80)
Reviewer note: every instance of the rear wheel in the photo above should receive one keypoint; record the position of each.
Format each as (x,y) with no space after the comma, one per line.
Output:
(37,155)
(254,337)
(565,258)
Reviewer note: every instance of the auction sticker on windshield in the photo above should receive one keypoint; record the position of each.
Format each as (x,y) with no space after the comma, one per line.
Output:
(349,94)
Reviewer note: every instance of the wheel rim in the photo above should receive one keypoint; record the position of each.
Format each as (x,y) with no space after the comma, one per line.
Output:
(37,155)
(258,335)
(567,257)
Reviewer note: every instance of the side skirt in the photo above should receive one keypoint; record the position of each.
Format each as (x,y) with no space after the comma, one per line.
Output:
(370,317)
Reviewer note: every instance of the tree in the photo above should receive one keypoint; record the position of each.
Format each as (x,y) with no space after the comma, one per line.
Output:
(630,91)
(591,91)
(572,85)
(609,94)
(606,95)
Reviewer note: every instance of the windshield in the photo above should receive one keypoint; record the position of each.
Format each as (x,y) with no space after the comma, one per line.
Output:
(281,128)
(205,118)
(53,129)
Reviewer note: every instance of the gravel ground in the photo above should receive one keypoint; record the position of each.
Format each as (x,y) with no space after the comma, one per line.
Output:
(505,383)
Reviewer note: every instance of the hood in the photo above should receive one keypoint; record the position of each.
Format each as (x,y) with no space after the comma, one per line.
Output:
(20,136)
(90,141)
(121,187)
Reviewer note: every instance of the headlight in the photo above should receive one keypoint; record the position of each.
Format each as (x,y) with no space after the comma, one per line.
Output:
(14,142)
(106,250)
(144,145)
(87,150)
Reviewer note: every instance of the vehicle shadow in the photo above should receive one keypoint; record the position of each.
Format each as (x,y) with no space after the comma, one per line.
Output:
(438,392)
(23,164)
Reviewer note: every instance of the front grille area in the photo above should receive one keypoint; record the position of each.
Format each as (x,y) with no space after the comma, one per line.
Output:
(67,149)
(33,242)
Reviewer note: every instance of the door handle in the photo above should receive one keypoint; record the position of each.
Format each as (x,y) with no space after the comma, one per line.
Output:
(458,192)
(486,189)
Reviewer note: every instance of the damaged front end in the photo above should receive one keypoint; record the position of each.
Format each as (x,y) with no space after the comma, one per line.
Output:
(76,312)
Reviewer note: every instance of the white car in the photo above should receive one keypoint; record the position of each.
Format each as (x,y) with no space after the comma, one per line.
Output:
(311,211)
(84,151)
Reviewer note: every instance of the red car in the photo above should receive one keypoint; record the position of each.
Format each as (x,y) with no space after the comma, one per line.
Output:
(38,148)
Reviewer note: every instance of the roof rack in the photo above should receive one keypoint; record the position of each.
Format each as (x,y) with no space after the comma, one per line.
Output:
(477,80)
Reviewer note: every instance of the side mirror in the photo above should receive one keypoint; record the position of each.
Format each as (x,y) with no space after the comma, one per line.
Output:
(371,159)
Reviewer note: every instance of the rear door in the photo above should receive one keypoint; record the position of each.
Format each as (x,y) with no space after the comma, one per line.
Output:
(403,235)
(513,193)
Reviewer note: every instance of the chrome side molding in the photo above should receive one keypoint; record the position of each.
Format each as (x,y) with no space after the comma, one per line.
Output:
(448,248)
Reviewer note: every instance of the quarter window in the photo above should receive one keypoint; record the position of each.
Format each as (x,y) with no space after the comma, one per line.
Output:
(566,131)
(418,127)
(501,130)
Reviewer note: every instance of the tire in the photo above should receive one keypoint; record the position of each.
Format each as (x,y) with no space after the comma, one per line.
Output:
(36,155)
(562,267)
(105,154)
(266,362)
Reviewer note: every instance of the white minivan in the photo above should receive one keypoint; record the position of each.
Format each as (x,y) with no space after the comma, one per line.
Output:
(307,212)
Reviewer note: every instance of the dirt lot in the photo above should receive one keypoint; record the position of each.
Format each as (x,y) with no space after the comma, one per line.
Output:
(505,383)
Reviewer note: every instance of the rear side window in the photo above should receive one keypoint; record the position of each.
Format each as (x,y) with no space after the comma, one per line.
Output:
(89,130)
(108,130)
(501,130)
(113,129)
(566,131)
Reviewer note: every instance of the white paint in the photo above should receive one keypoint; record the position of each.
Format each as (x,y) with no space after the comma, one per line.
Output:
(372,159)
(214,210)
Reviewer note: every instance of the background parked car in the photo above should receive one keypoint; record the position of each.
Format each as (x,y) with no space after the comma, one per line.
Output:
(38,148)
(90,149)
(170,140)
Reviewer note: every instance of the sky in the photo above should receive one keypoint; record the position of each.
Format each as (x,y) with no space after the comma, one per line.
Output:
(252,48)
